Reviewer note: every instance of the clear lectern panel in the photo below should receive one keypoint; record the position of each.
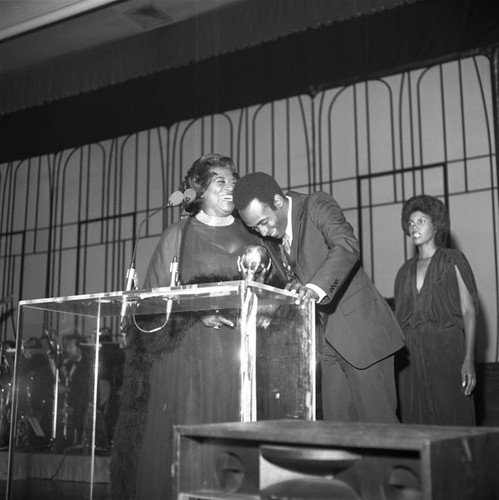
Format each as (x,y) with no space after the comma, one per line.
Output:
(68,367)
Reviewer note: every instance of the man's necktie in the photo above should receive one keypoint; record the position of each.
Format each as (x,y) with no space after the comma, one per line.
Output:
(285,253)
(286,245)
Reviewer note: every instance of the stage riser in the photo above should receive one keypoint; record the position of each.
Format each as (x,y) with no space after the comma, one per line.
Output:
(55,467)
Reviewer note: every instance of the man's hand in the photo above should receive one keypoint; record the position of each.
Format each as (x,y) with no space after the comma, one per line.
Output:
(305,294)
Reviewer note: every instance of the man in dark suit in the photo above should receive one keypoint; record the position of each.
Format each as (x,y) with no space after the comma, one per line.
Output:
(361,334)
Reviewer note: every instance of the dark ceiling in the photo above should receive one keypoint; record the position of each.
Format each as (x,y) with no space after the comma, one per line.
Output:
(33,32)
(305,62)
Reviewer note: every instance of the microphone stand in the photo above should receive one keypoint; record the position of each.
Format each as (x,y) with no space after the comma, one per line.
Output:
(55,360)
(173,282)
(131,275)
(188,196)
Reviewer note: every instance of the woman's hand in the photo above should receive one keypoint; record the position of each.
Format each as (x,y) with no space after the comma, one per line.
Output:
(468,373)
(216,321)
(468,377)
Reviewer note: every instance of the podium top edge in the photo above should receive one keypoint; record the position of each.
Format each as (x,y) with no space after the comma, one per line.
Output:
(219,287)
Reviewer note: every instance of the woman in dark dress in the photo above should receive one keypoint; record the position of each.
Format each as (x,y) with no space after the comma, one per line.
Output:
(169,379)
(436,304)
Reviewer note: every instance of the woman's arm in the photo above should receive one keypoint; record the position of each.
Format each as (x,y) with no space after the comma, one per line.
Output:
(468,374)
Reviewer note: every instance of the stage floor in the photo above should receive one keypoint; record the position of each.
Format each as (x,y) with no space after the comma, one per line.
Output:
(44,476)
(46,489)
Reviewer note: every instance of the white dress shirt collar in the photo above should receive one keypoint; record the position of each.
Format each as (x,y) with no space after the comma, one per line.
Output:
(289,228)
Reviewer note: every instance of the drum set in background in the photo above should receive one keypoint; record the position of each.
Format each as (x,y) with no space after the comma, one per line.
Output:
(49,408)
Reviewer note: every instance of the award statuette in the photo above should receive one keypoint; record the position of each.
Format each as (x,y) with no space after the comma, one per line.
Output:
(254,263)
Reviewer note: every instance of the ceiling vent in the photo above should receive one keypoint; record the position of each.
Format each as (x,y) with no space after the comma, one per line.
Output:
(148,16)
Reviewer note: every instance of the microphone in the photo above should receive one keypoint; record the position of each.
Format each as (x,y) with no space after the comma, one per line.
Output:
(189,195)
(176,198)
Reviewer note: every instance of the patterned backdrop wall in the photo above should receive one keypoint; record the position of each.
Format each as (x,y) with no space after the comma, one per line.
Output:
(69,220)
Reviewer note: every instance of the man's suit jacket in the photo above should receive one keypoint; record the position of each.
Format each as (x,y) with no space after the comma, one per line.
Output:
(357,320)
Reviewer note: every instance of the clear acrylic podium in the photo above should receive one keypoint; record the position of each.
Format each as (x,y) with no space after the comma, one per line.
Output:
(271,348)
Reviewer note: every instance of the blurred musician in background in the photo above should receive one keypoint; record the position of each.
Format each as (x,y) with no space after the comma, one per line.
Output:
(111,359)
(35,394)
(75,376)
(7,350)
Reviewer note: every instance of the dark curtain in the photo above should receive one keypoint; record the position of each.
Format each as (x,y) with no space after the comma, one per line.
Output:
(329,55)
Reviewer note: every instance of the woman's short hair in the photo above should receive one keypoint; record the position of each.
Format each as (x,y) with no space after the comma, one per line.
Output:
(199,177)
(434,209)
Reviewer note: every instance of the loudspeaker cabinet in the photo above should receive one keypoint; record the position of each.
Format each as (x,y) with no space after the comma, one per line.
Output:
(297,460)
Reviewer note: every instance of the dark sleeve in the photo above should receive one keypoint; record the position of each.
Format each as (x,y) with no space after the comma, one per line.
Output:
(158,272)
(343,247)
(466,272)
(402,294)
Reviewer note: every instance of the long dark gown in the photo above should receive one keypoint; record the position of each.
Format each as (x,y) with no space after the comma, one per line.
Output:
(190,384)
(429,386)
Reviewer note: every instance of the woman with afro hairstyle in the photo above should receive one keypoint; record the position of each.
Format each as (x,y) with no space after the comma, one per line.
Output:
(436,304)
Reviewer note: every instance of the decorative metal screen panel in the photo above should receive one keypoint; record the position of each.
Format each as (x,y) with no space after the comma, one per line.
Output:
(371,145)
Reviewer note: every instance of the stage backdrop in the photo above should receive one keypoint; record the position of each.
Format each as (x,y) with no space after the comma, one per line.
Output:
(69,220)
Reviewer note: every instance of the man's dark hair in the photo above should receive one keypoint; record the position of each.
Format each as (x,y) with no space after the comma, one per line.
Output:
(434,209)
(256,186)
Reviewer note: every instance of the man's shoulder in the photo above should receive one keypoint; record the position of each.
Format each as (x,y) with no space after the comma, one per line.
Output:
(317,203)
(311,198)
